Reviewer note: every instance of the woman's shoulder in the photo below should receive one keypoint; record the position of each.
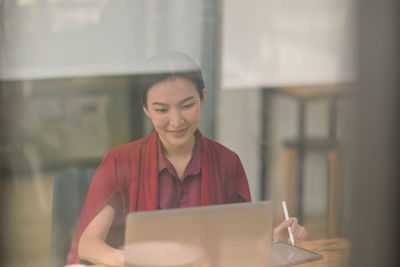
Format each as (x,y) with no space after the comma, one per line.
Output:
(220,149)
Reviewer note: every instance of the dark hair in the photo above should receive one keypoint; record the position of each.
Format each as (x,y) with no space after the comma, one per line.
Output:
(173,65)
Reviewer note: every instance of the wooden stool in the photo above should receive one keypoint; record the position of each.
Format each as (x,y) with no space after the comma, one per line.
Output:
(291,177)
(287,183)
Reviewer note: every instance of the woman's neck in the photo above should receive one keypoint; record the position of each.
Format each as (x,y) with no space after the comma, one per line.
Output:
(183,151)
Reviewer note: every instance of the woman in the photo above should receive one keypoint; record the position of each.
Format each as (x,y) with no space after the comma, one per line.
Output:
(173,167)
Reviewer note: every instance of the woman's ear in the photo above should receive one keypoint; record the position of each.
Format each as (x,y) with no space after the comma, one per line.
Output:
(204,97)
(146,111)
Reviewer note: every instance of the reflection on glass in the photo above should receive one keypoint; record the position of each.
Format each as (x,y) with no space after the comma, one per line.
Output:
(70,79)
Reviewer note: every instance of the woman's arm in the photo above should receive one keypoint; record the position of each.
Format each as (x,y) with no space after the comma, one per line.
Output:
(92,246)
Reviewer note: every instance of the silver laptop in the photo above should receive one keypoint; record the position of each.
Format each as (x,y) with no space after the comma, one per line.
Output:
(214,236)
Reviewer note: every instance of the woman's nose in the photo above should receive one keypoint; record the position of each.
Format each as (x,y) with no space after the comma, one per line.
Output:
(175,119)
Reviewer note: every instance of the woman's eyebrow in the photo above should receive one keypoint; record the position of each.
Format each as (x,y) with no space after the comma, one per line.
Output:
(159,104)
(186,99)
(180,102)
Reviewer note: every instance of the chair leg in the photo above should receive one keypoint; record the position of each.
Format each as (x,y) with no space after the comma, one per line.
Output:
(284,189)
(334,197)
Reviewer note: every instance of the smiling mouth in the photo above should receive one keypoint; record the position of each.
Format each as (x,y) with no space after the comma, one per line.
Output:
(178,133)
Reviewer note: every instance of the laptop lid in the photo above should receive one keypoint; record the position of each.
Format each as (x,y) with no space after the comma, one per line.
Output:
(222,235)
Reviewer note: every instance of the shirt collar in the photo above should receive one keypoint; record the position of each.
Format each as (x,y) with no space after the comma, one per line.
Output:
(194,163)
(162,161)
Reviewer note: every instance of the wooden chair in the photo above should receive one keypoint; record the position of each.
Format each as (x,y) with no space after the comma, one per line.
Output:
(290,185)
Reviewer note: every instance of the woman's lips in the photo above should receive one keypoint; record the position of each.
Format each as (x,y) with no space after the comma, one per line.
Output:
(178,133)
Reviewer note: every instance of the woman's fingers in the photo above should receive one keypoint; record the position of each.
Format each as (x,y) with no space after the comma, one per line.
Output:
(281,231)
(299,231)
(302,233)
(293,224)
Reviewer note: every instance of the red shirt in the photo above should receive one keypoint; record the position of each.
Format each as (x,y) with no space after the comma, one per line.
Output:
(131,173)
(174,192)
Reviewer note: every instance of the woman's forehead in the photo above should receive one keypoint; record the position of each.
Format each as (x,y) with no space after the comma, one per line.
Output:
(173,87)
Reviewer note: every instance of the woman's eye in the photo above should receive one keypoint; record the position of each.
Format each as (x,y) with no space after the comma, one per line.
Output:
(161,110)
(187,106)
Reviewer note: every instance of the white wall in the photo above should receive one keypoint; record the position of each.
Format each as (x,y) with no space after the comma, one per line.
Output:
(287,42)
(238,128)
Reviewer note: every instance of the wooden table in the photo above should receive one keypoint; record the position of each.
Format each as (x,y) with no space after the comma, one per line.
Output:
(335,252)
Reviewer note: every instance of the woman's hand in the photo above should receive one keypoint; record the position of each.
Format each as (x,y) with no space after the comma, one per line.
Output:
(281,231)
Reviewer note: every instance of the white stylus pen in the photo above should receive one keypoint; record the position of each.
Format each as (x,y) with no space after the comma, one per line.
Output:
(285,211)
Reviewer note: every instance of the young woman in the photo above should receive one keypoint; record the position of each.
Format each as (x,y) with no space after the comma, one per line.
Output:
(173,167)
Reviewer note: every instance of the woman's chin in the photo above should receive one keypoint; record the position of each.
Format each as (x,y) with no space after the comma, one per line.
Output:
(179,140)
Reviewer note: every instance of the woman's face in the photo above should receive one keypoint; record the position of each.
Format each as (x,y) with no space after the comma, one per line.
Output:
(174,105)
